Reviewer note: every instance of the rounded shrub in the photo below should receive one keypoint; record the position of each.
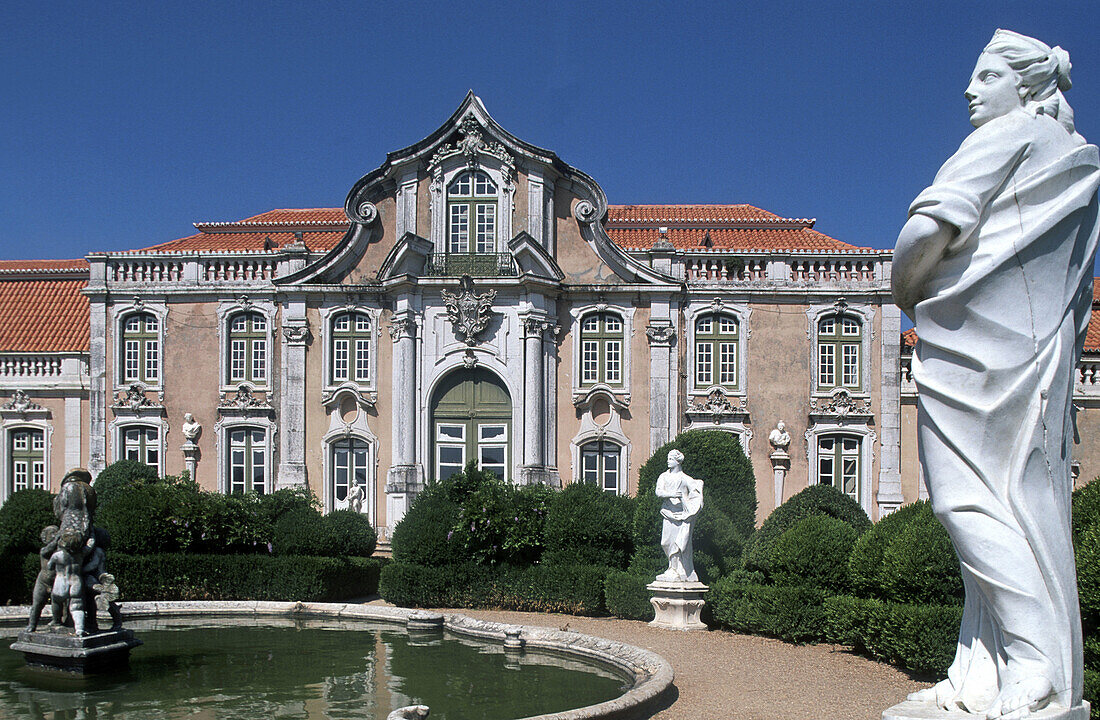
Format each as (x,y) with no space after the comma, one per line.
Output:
(119,477)
(1088,577)
(814,500)
(1086,507)
(425,535)
(167,516)
(22,518)
(814,552)
(865,563)
(919,565)
(587,526)
(348,533)
(729,489)
(299,532)
(500,523)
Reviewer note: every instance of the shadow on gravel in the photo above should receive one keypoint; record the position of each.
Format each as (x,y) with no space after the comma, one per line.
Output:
(661,702)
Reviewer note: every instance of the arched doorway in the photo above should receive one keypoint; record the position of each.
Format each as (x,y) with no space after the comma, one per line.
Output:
(471,420)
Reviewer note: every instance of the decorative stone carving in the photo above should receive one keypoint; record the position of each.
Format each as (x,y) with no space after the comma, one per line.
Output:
(243,399)
(995,268)
(840,404)
(660,334)
(21,403)
(585,211)
(134,398)
(297,334)
(469,312)
(191,428)
(365,213)
(779,438)
(471,146)
(401,328)
(718,405)
(535,327)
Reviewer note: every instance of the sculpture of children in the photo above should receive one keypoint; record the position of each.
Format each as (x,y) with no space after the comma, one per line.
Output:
(68,588)
(682,497)
(43,584)
(99,585)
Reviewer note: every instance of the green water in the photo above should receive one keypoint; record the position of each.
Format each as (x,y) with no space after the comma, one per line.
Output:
(311,671)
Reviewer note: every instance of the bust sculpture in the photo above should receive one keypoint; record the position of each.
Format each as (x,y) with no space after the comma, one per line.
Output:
(994,266)
(682,499)
(190,428)
(779,438)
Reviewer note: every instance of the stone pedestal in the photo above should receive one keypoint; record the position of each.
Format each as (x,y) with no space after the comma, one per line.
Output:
(677,605)
(99,652)
(781,462)
(912,710)
(191,458)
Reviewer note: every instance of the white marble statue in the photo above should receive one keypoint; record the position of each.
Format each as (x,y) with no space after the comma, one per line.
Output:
(994,266)
(190,427)
(682,499)
(779,438)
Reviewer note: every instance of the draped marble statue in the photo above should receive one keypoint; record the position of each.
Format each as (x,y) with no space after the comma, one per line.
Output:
(994,266)
(681,500)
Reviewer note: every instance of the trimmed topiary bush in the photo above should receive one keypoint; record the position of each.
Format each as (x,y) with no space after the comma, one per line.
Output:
(299,531)
(22,518)
(167,516)
(501,523)
(865,563)
(814,500)
(119,477)
(919,566)
(587,526)
(347,532)
(789,613)
(425,536)
(1088,578)
(814,552)
(729,503)
(1086,508)
(625,595)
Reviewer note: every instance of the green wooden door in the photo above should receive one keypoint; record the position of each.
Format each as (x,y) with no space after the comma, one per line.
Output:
(471,420)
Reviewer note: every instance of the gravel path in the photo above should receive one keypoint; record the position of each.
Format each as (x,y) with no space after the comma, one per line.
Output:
(725,675)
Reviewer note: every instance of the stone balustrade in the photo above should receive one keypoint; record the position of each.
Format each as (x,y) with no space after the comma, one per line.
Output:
(866,270)
(190,269)
(30,366)
(1087,381)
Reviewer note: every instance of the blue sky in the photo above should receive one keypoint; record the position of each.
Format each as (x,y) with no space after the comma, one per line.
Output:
(124,124)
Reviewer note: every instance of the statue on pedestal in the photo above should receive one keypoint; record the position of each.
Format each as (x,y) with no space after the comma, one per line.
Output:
(994,266)
(682,497)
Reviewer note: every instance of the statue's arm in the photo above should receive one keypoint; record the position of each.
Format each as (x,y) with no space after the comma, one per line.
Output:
(920,247)
(693,500)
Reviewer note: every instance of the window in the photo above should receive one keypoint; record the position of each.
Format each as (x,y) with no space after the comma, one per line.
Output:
(839,342)
(838,463)
(600,461)
(453,442)
(27,453)
(472,214)
(139,359)
(349,466)
(716,361)
(141,443)
(351,338)
(247,348)
(601,349)
(247,460)
(450,449)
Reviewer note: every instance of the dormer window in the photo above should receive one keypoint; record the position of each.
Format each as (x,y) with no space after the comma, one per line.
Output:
(472,213)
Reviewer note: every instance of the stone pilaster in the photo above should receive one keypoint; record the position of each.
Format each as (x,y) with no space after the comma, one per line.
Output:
(406,476)
(534,469)
(97,394)
(292,397)
(661,338)
(890,496)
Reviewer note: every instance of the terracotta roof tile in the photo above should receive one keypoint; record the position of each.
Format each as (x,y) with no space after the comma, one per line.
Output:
(39,315)
(44,266)
(716,227)
(245,242)
(909,338)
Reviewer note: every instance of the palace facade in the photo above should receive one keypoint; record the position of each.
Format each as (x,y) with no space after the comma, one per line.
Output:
(476,298)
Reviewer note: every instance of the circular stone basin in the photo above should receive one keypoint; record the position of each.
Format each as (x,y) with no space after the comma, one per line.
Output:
(264,660)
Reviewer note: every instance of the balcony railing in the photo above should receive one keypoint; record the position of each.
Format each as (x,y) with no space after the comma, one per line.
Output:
(472,264)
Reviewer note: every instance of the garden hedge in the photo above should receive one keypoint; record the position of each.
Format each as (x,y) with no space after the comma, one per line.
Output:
(625,595)
(865,563)
(22,518)
(587,526)
(814,552)
(795,614)
(573,589)
(175,576)
(814,500)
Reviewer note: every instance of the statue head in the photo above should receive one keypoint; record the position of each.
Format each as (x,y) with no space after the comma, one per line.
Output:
(780,426)
(188,418)
(1017,71)
(675,458)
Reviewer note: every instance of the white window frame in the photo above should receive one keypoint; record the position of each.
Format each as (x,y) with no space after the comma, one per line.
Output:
(742,313)
(328,316)
(118,315)
(226,310)
(444,174)
(612,431)
(9,478)
(357,429)
(582,391)
(222,430)
(126,417)
(865,314)
(867,437)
